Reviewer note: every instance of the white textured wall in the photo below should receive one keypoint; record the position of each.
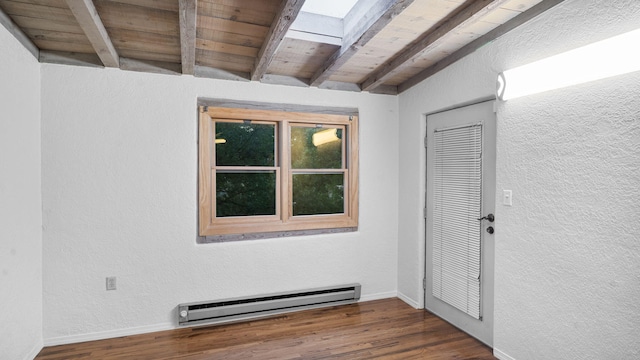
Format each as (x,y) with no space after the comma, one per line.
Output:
(119,199)
(568,250)
(20,202)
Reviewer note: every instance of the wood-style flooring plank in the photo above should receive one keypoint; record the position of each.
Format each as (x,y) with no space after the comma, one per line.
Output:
(382,329)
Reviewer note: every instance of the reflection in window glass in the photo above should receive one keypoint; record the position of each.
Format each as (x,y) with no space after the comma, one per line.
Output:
(244,144)
(316,148)
(245,193)
(315,194)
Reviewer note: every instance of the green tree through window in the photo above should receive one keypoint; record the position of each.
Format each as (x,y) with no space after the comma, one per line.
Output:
(242,188)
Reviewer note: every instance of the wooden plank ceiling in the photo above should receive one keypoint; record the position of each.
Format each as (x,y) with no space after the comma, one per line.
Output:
(381,46)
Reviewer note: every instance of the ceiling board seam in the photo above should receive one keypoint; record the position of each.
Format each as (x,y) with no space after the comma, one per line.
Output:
(157,5)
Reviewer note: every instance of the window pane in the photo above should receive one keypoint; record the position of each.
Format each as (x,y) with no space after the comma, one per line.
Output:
(246,193)
(316,148)
(240,144)
(318,194)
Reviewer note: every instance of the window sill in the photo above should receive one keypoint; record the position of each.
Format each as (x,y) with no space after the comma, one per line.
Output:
(270,235)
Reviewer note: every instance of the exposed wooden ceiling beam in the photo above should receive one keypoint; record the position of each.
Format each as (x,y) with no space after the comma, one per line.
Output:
(339,85)
(479,42)
(157,67)
(15,30)
(284,80)
(368,25)
(286,15)
(220,74)
(188,13)
(68,58)
(430,39)
(385,90)
(89,20)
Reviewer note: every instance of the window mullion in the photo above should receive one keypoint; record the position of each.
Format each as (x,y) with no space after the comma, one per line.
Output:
(318,171)
(245,168)
(285,177)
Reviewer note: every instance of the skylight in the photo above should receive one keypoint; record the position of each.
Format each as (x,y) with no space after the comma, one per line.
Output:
(333,8)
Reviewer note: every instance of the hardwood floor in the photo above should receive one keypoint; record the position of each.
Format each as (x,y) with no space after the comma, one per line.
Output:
(382,329)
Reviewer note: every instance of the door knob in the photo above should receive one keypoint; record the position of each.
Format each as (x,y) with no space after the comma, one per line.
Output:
(490,229)
(489,217)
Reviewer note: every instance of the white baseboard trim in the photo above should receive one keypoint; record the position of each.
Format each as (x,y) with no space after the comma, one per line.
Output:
(501,355)
(378,296)
(35,351)
(62,340)
(414,304)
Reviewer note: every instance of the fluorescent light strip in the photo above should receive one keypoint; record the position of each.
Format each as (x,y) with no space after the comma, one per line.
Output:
(614,56)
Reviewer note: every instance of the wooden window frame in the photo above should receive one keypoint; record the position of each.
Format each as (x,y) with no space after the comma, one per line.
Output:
(283,221)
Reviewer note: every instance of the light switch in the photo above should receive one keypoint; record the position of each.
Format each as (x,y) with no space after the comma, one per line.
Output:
(507,197)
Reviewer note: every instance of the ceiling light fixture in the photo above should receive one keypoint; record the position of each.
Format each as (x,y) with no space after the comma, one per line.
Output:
(614,56)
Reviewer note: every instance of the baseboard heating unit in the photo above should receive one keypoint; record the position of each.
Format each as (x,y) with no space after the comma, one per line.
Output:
(246,308)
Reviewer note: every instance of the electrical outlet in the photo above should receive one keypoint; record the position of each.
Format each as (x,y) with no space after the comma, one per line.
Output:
(111,283)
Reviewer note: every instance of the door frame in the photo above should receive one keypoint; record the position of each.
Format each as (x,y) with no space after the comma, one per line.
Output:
(487,300)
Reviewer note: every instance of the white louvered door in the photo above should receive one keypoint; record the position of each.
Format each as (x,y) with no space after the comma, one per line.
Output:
(461,190)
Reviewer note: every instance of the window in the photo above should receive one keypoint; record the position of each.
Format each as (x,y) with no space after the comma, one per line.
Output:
(276,171)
